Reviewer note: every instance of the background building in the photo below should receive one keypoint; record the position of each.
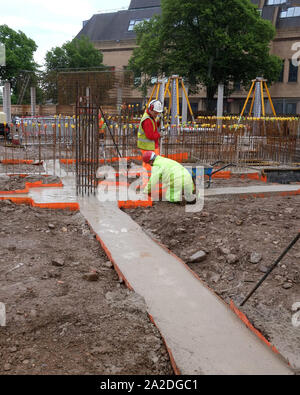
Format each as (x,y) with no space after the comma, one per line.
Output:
(113,35)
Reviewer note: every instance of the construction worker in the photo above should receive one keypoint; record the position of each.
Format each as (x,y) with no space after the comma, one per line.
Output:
(174,177)
(148,135)
(102,127)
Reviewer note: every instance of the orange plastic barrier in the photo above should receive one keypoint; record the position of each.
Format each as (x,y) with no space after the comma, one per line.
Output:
(54,206)
(28,185)
(134,204)
(179,157)
(16,162)
(254,176)
(68,161)
(222,174)
(245,320)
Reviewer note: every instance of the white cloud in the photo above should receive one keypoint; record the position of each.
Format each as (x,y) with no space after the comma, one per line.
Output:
(65,9)
(54,22)
(15,22)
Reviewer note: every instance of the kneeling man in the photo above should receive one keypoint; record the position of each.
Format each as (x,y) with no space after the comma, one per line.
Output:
(175,178)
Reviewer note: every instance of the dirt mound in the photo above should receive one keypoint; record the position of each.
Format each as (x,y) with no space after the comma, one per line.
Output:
(66,310)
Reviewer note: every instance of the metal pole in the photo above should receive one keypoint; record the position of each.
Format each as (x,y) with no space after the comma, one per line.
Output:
(119,99)
(258,98)
(257,107)
(151,96)
(33,101)
(184,106)
(220,100)
(272,268)
(161,97)
(262,98)
(108,128)
(7,102)
(174,114)
(252,103)
(220,105)
(187,99)
(270,100)
(162,83)
(246,102)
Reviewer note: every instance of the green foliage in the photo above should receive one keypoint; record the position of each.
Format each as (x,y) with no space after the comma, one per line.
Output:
(76,54)
(19,57)
(207,42)
(147,59)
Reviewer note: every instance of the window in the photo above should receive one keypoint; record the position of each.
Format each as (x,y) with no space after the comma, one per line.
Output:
(293,72)
(278,107)
(280,79)
(135,22)
(291,12)
(291,108)
(276,2)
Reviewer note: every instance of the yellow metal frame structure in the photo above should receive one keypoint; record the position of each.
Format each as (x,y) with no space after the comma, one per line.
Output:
(262,85)
(168,90)
(155,91)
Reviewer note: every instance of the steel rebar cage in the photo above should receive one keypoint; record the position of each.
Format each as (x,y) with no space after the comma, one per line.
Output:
(87,145)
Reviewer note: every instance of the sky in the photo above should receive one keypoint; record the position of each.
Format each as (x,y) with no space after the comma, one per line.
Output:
(53,22)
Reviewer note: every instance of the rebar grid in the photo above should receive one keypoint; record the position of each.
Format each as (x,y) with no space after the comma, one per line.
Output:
(87,145)
(207,140)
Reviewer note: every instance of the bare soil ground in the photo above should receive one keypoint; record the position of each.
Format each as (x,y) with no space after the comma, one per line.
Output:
(61,322)
(21,169)
(234,181)
(15,183)
(242,238)
(66,310)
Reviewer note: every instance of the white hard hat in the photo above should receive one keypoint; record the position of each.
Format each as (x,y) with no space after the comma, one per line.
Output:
(155,105)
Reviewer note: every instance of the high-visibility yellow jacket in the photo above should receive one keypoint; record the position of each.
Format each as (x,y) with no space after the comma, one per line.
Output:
(102,124)
(143,142)
(173,176)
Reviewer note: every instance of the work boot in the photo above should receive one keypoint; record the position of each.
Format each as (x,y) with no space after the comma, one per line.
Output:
(181,202)
(191,199)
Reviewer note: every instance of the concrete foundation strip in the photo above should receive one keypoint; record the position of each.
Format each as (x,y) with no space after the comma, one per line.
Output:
(76,206)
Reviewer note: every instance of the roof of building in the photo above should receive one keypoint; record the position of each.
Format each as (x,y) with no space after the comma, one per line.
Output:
(118,26)
(114,26)
(269,12)
(137,4)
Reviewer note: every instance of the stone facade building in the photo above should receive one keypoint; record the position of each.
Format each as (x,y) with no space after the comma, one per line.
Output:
(113,34)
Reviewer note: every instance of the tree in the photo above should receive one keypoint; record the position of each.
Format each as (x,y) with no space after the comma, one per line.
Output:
(79,53)
(19,50)
(208,43)
(148,59)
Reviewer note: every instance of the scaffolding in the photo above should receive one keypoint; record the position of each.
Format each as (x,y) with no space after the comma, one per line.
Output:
(258,103)
(170,88)
(204,139)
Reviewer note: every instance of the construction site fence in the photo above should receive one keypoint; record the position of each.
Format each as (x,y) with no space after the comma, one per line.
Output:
(207,140)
